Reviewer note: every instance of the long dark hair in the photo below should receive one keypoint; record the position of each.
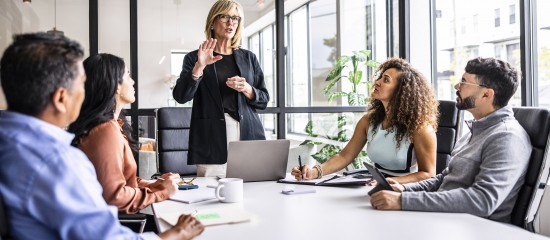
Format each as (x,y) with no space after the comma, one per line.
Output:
(413,105)
(104,72)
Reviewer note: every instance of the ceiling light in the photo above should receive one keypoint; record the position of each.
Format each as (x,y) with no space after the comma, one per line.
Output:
(54,31)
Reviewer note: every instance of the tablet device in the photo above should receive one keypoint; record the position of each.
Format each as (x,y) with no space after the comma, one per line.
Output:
(377,175)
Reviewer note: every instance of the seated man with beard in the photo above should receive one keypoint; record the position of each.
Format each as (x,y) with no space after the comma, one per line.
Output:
(488,164)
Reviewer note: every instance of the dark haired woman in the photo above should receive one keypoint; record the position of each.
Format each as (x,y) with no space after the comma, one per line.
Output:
(402,111)
(103,135)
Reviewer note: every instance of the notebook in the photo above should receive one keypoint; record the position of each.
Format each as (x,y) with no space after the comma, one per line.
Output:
(194,195)
(213,216)
(259,160)
(329,180)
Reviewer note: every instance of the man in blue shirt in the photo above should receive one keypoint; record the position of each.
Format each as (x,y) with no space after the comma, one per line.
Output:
(50,188)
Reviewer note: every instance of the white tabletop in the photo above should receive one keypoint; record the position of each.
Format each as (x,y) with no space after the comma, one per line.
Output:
(335,213)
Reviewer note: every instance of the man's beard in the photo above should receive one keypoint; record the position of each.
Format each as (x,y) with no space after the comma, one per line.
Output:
(465,103)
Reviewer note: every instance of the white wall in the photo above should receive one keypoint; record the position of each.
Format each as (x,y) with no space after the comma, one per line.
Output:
(17,17)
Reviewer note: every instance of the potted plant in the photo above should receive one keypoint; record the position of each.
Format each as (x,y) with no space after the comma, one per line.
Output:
(350,68)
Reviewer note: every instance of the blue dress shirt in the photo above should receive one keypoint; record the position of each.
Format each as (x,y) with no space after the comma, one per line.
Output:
(49,187)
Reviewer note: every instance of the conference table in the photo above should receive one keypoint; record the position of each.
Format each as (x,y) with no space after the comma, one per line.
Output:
(333,213)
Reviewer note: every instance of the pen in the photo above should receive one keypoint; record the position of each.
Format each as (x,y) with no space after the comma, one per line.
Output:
(301,166)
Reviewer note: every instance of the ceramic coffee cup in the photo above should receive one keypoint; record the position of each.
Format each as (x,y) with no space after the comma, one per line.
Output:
(230,190)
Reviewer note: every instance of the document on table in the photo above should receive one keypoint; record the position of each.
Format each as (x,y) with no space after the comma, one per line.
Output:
(213,216)
(328,180)
(194,195)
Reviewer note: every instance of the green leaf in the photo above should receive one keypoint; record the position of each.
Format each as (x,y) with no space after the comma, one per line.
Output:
(331,84)
(334,95)
(342,121)
(334,73)
(342,136)
(309,128)
(358,77)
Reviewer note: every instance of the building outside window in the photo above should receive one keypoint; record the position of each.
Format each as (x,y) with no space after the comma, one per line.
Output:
(497,17)
(512,9)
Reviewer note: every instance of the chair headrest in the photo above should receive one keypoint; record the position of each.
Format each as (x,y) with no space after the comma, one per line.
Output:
(536,122)
(448,113)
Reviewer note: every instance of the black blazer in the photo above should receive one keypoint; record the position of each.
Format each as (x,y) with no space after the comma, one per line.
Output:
(207,137)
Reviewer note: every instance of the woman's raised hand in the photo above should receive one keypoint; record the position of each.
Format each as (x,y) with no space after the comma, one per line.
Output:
(206,53)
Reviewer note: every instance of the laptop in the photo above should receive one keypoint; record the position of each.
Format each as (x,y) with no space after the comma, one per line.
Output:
(258,160)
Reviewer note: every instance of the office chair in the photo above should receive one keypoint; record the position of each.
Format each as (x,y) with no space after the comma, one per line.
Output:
(4,227)
(173,125)
(536,122)
(136,222)
(542,217)
(450,122)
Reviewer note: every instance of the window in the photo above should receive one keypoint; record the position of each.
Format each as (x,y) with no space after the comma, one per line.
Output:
(455,49)
(512,9)
(490,41)
(498,50)
(298,92)
(497,17)
(542,96)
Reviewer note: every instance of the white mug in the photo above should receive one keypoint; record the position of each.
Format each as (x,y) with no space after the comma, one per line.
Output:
(232,190)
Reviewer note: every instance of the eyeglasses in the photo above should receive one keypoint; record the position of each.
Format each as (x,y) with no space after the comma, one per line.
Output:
(234,19)
(190,182)
(468,83)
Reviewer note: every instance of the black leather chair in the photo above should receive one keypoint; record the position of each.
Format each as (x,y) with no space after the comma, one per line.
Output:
(173,125)
(450,121)
(536,122)
(4,227)
(136,222)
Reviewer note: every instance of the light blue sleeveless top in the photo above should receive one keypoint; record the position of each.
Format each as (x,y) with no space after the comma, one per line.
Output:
(382,150)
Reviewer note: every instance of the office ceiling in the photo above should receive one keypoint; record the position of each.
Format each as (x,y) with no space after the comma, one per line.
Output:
(256,6)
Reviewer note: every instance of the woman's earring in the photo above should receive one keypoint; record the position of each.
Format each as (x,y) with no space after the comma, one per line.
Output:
(212,28)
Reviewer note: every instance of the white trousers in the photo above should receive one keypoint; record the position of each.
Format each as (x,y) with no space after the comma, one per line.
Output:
(232,130)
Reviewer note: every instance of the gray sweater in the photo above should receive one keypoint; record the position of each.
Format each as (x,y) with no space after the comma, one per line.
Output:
(484,175)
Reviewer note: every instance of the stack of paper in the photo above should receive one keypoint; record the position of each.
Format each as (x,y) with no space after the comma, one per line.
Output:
(194,195)
(214,216)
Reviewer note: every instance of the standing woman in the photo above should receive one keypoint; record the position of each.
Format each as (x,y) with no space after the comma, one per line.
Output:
(103,135)
(226,85)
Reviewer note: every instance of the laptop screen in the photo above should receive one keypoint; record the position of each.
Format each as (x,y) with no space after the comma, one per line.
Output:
(258,160)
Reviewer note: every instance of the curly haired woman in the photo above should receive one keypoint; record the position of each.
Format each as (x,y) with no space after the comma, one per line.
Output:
(402,113)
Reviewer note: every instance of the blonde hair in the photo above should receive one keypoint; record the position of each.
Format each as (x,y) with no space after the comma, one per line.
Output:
(223,7)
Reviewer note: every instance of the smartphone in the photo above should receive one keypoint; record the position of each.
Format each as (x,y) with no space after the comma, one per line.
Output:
(187,186)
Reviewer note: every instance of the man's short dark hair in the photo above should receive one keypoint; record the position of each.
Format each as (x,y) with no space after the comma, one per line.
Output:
(495,74)
(34,66)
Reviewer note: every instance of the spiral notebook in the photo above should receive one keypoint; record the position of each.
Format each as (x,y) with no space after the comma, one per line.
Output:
(328,180)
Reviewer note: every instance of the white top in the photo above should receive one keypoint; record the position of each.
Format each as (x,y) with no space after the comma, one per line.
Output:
(334,213)
(393,162)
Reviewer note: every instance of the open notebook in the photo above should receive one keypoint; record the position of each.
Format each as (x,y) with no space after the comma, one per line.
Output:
(194,195)
(214,216)
(328,180)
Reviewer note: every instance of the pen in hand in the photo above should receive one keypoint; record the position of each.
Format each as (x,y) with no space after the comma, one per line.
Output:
(301,166)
